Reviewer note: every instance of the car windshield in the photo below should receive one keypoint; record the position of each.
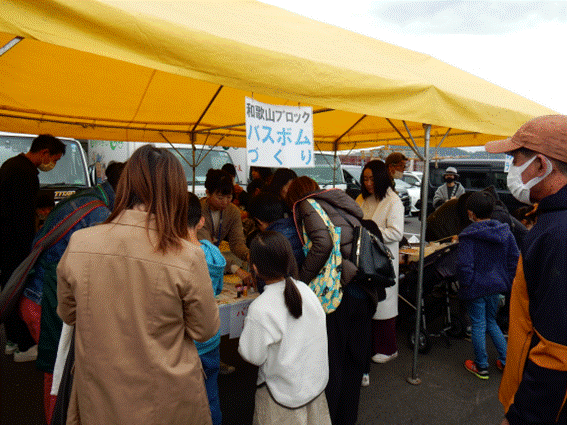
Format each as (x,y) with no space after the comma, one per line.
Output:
(323,172)
(69,171)
(209,159)
(402,184)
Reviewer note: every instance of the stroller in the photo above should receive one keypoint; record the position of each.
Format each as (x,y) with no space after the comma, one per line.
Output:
(439,288)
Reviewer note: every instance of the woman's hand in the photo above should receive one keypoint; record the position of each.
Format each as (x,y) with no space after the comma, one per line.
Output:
(246,278)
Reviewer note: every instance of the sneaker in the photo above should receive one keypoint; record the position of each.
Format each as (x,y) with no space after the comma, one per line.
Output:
(365,380)
(500,365)
(471,366)
(11,348)
(383,358)
(26,356)
(226,369)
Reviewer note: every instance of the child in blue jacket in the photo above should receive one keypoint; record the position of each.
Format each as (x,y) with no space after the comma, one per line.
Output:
(208,351)
(488,257)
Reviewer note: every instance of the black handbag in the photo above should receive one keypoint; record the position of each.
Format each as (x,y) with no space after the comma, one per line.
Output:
(372,257)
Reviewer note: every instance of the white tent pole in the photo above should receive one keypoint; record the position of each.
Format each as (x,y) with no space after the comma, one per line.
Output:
(424,189)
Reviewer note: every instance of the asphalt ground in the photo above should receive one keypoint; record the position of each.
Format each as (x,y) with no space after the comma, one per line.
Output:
(447,394)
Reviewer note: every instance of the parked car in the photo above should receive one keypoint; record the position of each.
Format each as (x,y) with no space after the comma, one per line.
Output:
(326,172)
(69,176)
(352,174)
(413,178)
(101,153)
(414,193)
(406,199)
(474,175)
(353,189)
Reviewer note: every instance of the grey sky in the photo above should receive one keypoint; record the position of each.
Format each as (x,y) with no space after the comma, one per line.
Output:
(467,17)
(486,38)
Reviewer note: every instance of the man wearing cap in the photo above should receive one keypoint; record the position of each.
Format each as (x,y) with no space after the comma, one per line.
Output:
(451,189)
(533,389)
(396,165)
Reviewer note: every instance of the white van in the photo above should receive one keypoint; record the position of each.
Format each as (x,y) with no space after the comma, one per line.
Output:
(326,172)
(101,153)
(69,175)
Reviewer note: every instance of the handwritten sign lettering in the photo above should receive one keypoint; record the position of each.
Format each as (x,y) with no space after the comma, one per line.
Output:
(279,135)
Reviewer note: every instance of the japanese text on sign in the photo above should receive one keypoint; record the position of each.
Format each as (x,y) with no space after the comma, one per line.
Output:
(278,135)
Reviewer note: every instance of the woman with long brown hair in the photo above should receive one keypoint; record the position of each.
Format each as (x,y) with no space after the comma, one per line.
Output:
(348,327)
(139,293)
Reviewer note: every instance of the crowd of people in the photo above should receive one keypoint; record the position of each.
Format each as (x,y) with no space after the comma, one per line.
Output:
(126,274)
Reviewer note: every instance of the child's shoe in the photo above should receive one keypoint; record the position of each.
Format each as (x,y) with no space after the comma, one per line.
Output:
(500,365)
(471,366)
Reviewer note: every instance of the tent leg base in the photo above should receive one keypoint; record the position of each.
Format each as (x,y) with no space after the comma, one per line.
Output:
(413,381)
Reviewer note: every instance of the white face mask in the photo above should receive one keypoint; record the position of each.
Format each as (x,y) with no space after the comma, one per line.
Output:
(519,189)
(398,174)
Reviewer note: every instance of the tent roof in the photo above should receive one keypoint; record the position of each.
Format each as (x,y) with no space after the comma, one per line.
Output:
(145,70)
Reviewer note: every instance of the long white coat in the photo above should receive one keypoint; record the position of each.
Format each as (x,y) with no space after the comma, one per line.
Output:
(388,214)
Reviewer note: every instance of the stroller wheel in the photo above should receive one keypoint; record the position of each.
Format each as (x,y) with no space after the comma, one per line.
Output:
(424,341)
(457,328)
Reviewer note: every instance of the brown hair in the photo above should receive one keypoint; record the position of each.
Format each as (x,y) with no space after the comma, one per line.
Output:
(155,179)
(300,187)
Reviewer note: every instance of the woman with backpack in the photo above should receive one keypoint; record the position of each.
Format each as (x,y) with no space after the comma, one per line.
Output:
(325,219)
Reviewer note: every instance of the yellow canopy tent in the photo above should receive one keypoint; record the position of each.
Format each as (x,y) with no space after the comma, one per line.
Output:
(130,70)
(179,70)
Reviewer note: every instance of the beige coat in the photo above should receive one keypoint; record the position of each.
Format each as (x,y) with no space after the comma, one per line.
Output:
(136,313)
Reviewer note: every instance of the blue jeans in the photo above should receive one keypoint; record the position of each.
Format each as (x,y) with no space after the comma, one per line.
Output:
(211,366)
(482,312)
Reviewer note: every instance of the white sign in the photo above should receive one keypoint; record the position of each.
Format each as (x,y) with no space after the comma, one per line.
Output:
(278,135)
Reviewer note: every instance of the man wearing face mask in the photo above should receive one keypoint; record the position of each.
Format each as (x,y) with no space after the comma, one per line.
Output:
(534,386)
(19,187)
(396,165)
(451,189)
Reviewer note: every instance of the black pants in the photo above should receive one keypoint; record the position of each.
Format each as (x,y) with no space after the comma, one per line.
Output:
(349,336)
(16,329)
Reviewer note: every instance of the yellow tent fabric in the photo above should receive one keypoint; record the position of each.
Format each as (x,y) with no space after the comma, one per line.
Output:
(149,70)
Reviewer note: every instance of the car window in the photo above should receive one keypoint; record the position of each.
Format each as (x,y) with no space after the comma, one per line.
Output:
(323,172)
(474,179)
(214,159)
(500,180)
(70,169)
(401,184)
(410,180)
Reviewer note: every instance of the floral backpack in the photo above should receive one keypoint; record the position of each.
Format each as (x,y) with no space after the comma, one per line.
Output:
(327,284)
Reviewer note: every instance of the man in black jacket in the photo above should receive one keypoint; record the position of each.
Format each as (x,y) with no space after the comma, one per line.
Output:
(19,187)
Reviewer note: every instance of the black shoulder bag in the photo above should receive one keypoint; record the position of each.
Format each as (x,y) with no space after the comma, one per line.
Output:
(371,256)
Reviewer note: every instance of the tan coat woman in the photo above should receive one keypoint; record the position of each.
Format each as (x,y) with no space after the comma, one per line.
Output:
(138,294)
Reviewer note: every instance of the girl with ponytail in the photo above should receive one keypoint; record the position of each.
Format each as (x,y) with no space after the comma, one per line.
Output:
(285,335)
